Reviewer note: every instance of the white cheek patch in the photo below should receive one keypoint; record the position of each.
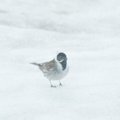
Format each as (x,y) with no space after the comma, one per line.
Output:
(61,60)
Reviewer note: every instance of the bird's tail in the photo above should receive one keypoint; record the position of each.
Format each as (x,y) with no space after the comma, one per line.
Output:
(37,64)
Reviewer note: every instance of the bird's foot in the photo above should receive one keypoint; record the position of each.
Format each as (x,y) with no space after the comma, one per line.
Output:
(53,86)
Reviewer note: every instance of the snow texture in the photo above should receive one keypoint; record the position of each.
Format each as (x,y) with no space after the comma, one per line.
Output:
(88,31)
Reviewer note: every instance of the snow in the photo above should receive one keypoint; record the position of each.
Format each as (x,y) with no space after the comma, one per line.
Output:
(34,31)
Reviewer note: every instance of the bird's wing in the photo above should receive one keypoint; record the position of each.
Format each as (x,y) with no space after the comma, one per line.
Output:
(48,66)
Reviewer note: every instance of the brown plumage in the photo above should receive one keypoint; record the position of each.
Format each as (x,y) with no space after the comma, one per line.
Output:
(47,66)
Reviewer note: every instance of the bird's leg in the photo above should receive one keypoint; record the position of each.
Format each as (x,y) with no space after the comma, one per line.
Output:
(51,84)
(60,84)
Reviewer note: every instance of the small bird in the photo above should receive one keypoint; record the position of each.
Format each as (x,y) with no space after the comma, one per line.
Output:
(55,69)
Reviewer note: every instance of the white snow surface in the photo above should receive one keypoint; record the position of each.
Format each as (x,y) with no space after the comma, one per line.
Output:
(88,31)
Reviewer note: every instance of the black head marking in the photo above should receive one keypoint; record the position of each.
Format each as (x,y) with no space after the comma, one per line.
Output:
(62,59)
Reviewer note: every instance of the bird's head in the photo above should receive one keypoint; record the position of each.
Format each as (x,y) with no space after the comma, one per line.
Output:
(61,57)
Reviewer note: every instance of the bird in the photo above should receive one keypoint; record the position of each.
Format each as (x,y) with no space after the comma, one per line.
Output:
(55,69)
